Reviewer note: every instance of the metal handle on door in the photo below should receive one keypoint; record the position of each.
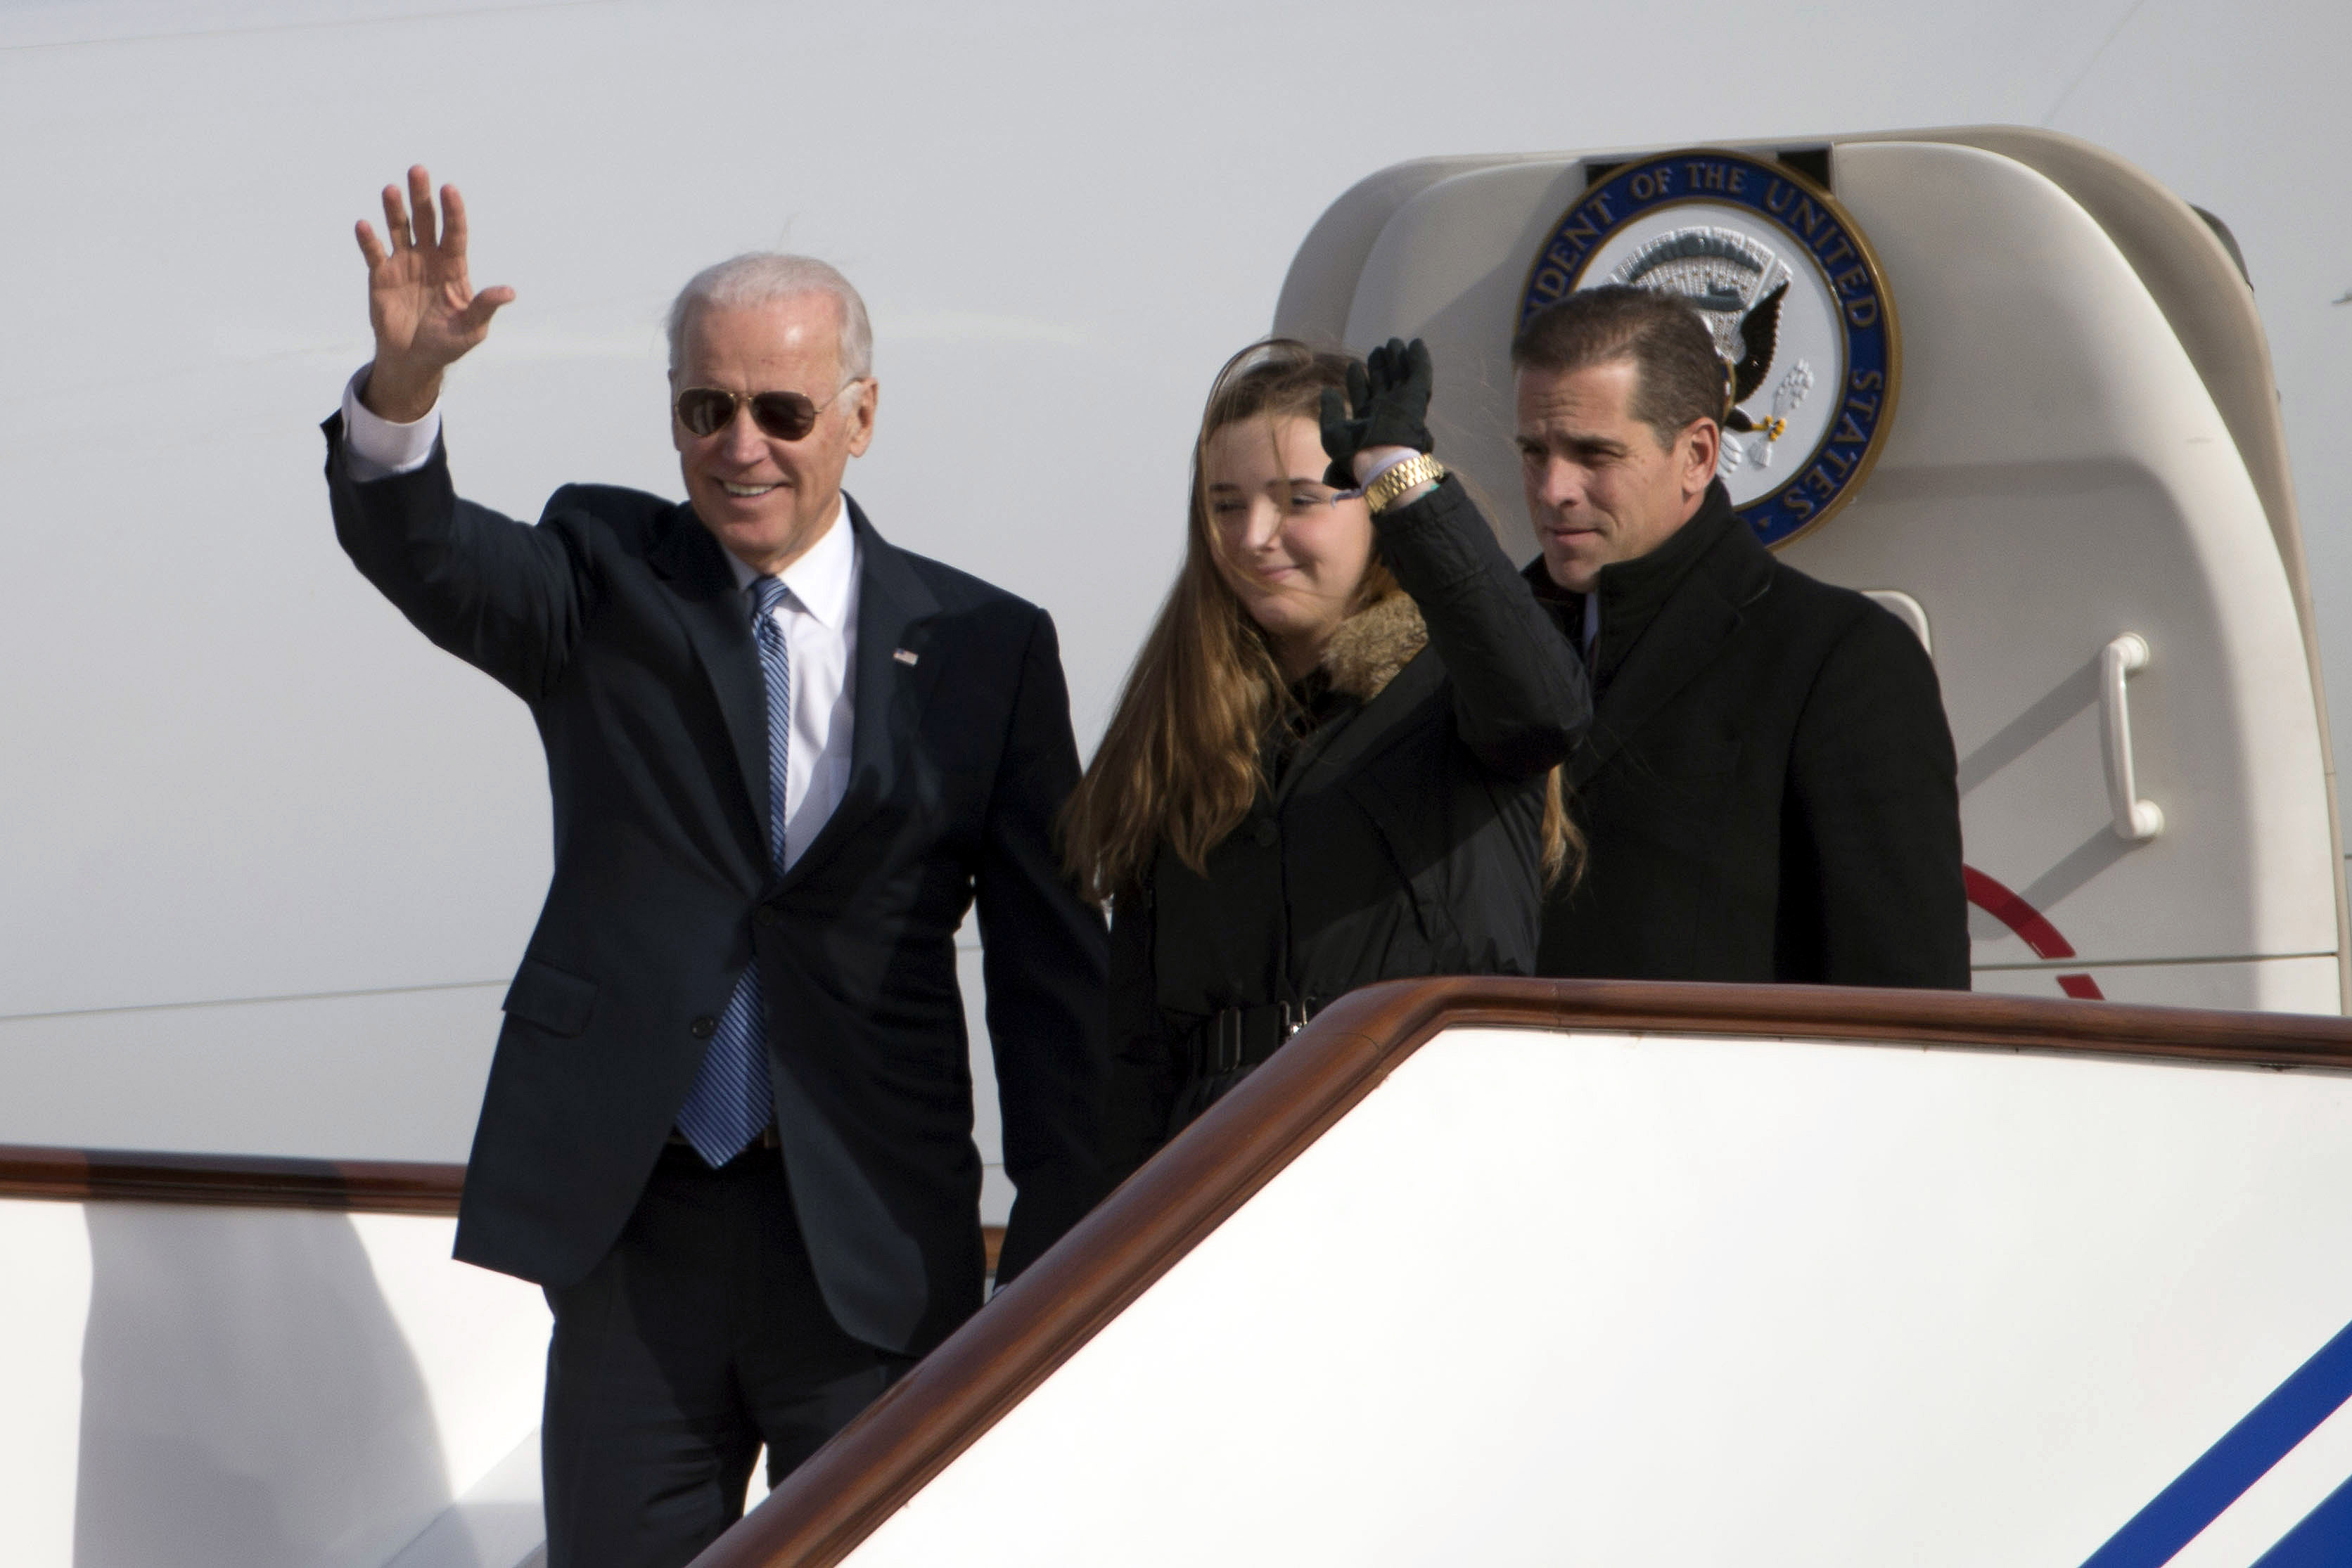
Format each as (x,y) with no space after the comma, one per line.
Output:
(2136,820)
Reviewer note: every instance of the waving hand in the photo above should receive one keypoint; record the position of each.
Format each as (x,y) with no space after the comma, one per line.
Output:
(1390,393)
(420,302)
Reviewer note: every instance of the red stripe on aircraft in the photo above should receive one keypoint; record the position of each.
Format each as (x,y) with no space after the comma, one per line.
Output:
(2030,925)
(2016,914)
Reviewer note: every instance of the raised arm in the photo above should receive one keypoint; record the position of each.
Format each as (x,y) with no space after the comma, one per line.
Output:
(505,598)
(1520,694)
(421,302)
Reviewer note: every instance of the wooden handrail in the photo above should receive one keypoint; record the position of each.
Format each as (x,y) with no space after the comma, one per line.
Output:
(961,1389)
(251,1181)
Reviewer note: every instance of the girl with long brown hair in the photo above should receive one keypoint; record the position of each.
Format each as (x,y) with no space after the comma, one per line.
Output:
(1336,759)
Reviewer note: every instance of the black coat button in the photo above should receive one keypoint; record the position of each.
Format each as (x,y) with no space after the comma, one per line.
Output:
(704,1027)
(1266,834)
(768,918)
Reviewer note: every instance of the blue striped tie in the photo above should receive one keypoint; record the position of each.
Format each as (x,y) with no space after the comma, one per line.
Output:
(730,1100)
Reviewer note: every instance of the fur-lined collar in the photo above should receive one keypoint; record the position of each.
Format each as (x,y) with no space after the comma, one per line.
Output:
(1372,645)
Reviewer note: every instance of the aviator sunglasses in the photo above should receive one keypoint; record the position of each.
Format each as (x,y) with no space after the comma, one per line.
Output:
(786,415)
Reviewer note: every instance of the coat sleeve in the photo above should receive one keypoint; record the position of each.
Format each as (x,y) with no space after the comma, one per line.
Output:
(1043,955)
(1145,1075)
(507,597)
(1874,804)
(1520,696)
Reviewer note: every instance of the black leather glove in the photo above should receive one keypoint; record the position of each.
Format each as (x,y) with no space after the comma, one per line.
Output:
(1390,397)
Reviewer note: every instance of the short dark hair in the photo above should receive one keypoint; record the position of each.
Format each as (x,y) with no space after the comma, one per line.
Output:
(1678,376)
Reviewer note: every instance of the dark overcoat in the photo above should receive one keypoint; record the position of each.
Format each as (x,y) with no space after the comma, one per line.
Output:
(1401,837)
(617,621)
(1767,786)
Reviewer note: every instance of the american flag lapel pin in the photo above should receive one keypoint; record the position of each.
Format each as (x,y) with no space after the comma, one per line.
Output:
(904,656)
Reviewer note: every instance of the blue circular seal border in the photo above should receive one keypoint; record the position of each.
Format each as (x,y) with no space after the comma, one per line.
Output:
(1813,221)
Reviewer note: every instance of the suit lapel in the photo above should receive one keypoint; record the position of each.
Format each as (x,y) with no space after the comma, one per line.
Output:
(893,604)
(1686,634)
(717,621)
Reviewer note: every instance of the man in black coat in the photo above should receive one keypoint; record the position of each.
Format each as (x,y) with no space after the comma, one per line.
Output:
(728,1121)
(1768,788)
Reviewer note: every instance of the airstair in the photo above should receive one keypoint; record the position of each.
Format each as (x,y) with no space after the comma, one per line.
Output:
(250,1362)
(1487,1271)
(1509,1271)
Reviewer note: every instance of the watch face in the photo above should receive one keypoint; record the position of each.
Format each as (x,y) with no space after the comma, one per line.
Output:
(1789,286)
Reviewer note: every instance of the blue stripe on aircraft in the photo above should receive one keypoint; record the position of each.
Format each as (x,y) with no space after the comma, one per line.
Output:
(2323,1538)
(2243,1456)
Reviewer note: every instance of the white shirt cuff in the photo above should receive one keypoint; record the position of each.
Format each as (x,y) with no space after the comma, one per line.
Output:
(376,447)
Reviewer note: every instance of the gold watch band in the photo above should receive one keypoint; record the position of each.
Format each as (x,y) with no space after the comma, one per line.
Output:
(1419,469)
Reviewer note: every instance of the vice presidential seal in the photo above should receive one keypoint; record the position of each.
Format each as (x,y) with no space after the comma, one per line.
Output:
(1799,310)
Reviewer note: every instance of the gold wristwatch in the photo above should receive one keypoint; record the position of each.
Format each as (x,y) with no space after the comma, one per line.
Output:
(1420,468)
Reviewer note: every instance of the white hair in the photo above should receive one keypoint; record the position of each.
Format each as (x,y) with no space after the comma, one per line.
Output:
(761,277)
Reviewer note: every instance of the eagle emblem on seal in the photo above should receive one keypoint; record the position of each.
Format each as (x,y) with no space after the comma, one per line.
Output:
(1737,284)
(1793,298)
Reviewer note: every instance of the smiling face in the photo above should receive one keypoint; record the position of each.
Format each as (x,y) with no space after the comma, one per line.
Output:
(767,500)
(1602,486)
(1292,554)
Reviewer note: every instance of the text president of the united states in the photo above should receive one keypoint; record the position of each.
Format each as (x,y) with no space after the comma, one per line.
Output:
(728,1120)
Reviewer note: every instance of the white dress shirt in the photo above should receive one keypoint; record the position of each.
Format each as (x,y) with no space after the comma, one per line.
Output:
(818,616)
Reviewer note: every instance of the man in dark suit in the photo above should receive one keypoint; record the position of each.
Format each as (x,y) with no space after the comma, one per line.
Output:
(1768,788)
(728,1121)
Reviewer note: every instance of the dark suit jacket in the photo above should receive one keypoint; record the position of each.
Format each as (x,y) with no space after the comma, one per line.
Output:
(617,621)
(1769,786)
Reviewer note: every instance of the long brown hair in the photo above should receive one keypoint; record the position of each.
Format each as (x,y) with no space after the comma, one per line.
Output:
(1180,762)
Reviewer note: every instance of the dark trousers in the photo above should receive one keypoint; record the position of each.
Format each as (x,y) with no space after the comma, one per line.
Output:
(701,1336)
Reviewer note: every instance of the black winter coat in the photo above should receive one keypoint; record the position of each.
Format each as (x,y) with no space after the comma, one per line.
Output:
(1768,789)
(1400,837)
